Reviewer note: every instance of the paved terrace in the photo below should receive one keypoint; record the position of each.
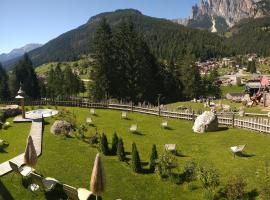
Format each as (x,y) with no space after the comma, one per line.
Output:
(36,133)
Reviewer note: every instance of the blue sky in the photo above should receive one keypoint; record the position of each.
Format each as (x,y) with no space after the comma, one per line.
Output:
(38,21)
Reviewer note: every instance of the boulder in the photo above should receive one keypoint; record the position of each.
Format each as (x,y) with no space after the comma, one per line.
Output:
(61,127)
(206,122)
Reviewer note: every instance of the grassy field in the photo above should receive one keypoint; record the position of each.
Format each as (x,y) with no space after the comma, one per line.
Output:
(16,145)
(70,160)
(232,89)
(82,65)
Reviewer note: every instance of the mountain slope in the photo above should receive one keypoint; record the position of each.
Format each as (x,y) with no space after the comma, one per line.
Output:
(251,36)
(18,52)
(9,59)
(166,39)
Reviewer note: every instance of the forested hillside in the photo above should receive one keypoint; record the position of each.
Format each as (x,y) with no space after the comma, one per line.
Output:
(166,39)
(251,36)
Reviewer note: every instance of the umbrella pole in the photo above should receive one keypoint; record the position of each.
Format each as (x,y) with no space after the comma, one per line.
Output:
(96,197)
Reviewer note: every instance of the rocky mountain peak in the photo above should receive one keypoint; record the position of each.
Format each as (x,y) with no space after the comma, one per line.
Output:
(231,10)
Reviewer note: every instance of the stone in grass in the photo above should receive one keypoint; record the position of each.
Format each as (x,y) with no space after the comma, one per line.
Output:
(206,122)
(61,127)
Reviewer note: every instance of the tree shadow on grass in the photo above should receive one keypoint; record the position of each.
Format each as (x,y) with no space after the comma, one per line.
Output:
(180,154)
(144,163)
(146,171)
(252,194)
(2,150)
(137,133)
(4,193)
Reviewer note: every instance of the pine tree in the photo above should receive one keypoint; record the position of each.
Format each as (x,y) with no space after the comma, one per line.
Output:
(103,66)
(120,150)
(137,69)
(136,161)
(114,144)
(4,90)
(190,77)
(104,148)
(153,158)
(58,82)
(24,74)
(51,92)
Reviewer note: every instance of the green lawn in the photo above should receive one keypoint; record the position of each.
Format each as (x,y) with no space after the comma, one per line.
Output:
(70,160)
(16,135)
(232,89)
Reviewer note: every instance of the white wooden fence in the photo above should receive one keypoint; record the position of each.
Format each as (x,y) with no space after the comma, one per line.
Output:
(260,124)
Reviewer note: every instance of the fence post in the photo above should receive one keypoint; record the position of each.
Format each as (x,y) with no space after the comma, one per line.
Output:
(233,120)
(193,116)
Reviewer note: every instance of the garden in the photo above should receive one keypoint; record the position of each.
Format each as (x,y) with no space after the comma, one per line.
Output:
(136,164)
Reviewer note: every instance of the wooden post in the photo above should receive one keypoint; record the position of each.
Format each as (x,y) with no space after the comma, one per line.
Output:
(23,110)
(193,116)
(233,120)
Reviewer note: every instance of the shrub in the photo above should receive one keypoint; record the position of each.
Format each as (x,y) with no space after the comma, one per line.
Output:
(209,177)
(265,186)
(153,158)
(2,116)
(81,132)
(104,148)
(121,150)
(192,186)
(208,195)
(6,126)
(265,192)
(165,164)
(136,161)
(66,115)
(190,171)
(235,188)
(114,144)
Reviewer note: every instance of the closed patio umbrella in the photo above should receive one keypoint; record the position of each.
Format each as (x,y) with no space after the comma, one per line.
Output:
(30,155)
(97,184)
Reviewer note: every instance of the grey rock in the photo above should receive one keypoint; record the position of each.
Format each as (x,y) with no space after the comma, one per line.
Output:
(61,128)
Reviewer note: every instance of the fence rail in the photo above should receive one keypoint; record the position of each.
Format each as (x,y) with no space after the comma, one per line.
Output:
(259,124)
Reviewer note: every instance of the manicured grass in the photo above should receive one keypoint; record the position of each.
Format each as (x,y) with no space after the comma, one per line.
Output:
(70,160)
(232,89)
(188,104)
(16,136)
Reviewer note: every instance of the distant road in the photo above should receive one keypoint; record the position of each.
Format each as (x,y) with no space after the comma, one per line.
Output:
(86,80)
(242,75)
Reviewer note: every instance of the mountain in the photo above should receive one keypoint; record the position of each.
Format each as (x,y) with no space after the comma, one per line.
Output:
(8,59)
(18,52)
(220,15)
(166,39)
